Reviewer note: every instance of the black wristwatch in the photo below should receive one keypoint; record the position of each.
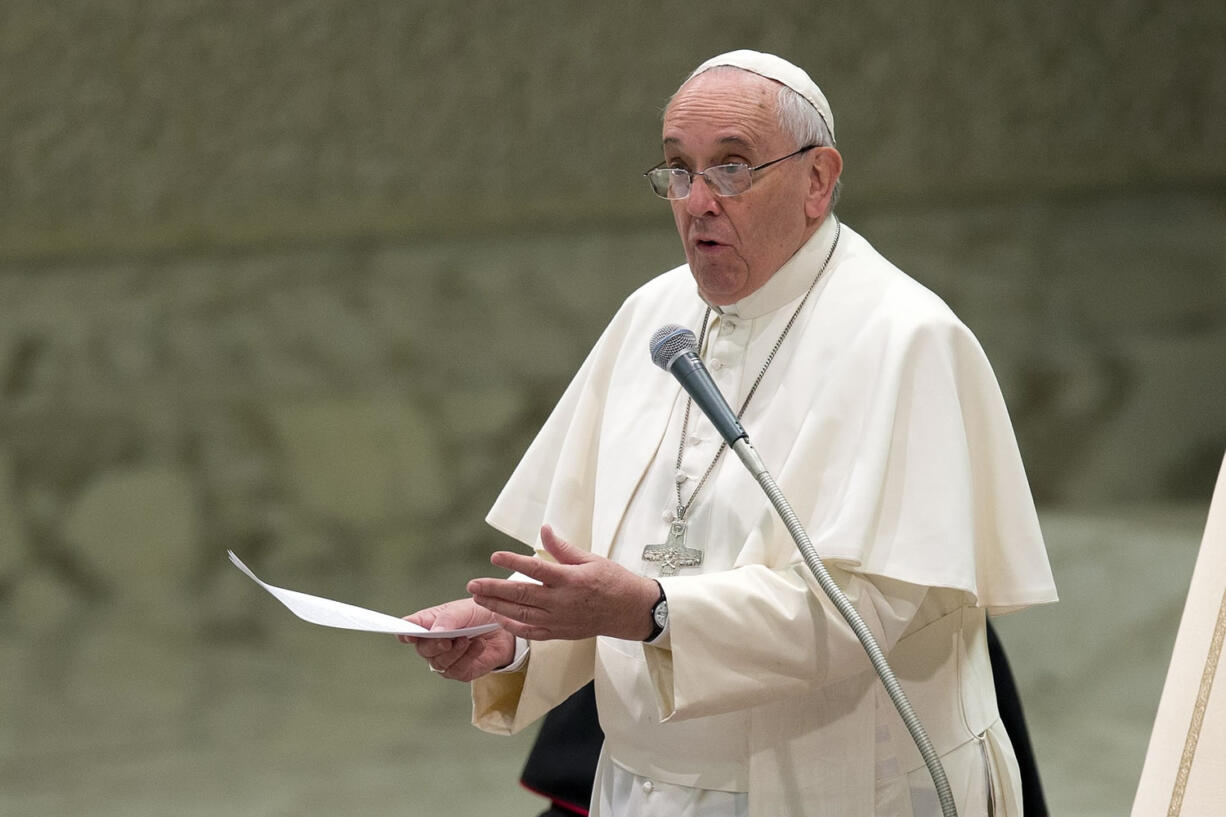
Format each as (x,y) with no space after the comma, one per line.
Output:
(659,615)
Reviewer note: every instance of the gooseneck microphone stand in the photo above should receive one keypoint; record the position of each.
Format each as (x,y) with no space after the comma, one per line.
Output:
(753,462)
(674,349)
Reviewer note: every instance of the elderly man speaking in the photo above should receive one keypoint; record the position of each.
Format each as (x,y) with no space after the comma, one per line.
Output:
(726,682)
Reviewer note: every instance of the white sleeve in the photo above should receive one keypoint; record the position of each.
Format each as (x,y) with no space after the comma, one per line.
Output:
(742,637)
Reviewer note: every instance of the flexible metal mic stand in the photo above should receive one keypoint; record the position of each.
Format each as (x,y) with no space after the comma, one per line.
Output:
(754,463)
(674,349)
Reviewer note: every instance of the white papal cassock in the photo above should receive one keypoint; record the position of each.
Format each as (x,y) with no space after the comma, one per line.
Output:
(883,424)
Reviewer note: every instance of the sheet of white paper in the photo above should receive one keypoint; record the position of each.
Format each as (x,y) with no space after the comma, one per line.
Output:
(318,610)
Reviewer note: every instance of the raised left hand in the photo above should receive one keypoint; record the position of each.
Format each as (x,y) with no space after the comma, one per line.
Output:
(579,596)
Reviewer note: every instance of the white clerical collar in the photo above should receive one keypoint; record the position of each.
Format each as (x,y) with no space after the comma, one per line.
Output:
(790,281)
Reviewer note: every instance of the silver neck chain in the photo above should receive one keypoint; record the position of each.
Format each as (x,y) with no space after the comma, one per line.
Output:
(684,507)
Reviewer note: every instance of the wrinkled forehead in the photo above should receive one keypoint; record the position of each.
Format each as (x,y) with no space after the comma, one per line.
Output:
(724,99)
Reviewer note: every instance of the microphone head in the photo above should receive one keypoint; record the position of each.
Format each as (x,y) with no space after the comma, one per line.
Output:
(669,341)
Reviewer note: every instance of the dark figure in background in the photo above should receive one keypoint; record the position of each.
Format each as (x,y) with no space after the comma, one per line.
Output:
(563,758)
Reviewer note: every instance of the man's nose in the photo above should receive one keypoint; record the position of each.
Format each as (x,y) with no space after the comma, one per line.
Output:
(702,200)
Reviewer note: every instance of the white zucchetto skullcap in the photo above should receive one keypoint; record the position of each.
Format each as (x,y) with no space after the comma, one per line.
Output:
(778,69)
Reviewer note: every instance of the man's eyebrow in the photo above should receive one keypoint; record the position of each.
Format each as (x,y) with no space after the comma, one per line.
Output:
(739,141)
(736,140)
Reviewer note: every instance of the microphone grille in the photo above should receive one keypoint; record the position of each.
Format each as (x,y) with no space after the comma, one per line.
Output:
(669,341)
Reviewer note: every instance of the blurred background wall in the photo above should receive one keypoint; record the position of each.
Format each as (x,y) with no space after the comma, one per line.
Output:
(301,279)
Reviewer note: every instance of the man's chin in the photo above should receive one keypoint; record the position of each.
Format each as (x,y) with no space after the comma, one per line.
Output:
(719,287)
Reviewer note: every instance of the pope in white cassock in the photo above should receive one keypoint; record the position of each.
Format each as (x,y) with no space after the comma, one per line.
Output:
(727,683)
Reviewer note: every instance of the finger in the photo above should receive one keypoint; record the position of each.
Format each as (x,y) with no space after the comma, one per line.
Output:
(422,618)
(504,608)
(525,593)
(560,549)
(531,632)
(425,619)
(442,649)
(440,670)
(444,661)
(445,651)
(407,638)
(459,648)
(463,669)
(542,570)
(429,648)
(496,649)
(444,673)
(478,656)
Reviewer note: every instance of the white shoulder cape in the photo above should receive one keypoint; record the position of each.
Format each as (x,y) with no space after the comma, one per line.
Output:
(881,421)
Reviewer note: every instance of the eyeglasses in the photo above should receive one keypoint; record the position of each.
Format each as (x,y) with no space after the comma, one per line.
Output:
(724,180)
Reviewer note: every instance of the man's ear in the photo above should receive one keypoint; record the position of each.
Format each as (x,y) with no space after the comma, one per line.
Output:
(825,171)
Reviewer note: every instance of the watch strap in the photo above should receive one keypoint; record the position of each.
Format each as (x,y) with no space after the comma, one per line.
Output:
(659,611)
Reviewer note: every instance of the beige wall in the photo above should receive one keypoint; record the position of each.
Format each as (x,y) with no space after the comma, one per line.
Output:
(323,266)
(301,279)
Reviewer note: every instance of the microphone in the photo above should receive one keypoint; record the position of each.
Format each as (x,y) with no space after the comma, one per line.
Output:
(675,350)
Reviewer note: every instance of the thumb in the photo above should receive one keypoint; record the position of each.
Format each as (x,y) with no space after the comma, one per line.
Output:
(561,550)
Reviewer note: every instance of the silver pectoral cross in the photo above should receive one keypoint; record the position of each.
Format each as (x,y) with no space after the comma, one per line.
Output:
(673,554)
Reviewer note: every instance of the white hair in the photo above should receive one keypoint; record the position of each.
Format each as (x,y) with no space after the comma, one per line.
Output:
(801,121)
